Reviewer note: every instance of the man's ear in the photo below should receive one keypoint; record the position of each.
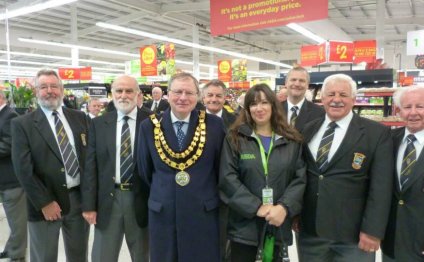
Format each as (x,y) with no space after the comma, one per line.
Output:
(397,110)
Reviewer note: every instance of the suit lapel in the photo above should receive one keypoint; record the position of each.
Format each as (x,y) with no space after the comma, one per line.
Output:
(397,140)
(353,134)
(191,128)
(43,127)
(303,115)
(308,134)
(110,133)
(71,120)
(137,124)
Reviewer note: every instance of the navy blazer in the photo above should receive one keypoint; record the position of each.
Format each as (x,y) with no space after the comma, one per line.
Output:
(187,216)
(357,182)
(38,162)
(404,238)
(98,183)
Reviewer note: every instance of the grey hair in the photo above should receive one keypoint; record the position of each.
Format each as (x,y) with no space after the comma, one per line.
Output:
(397,96)
(47,72)
(339,78)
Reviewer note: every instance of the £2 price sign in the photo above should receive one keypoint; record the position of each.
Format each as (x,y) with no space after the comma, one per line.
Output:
(341,52)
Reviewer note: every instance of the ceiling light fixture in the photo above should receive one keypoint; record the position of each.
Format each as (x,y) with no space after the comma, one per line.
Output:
(189,44)
(34,8)
(63,58)
(306,32)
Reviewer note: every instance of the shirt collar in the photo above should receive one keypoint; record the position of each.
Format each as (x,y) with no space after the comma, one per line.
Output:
(175,119)
(419,135)
(3,106)
(217,114)
(342,123)
(299,105)
(132,115)
(49,112)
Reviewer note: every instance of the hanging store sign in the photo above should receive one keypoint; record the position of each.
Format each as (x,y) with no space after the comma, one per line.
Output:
(340,52)
(83,73)
(239,70)
(224,70)
(228,17)
(148,60)
(364,51)
(415,43)
(312,55)
(166,59)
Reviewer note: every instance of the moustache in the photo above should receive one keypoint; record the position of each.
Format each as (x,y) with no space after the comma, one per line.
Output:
(337,104)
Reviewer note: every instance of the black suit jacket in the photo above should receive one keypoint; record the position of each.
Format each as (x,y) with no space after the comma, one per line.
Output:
(353,192)
(163,105)
(228,118)
(8,179)
(98,184)
(405,231)
(38,162)
(308,112)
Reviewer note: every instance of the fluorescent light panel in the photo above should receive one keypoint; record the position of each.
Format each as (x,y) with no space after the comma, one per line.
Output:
(306,32)
(34,8)
(189,44)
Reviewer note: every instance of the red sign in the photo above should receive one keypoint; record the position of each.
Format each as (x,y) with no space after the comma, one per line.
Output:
(224,70)
(241,85)
(83,73)
(148,60)
(364,51)
(312,55)
(340,52)
(228,17)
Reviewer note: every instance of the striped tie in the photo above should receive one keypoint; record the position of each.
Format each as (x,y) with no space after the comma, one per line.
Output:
(325,145)
(180,134)
(126,153)
(294,115)
(409,159)
(68,155)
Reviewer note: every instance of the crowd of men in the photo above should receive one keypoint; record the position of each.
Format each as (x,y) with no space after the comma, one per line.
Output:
(149,172)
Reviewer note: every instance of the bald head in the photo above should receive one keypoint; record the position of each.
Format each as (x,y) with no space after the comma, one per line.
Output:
(156,93)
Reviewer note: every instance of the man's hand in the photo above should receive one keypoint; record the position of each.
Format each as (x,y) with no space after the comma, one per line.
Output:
(263,210)
(368,243)
(276,215)
(90,217)
(52,211)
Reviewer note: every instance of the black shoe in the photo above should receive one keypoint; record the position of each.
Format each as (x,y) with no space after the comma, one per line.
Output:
(3,255)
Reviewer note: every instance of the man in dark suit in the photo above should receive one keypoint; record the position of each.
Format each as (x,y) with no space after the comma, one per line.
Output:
(157,104)
(404,240)
(349,180)
(114,198)
(11,192)
(214,99)
(299,110)
(179,153)
(48,152)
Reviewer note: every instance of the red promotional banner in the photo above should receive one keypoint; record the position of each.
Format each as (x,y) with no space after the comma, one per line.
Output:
(365,51)
(340,52)
(312,55)
(83,73)
(224,70)
(148,60)
(228,17)
(241,85)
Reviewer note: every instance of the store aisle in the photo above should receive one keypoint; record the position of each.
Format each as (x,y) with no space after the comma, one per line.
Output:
(124,256)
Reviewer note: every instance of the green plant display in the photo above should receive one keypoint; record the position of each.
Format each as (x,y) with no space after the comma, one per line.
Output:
(23,96)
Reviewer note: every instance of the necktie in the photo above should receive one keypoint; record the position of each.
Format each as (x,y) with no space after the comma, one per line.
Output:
(294,115)
(126,153)
(325,145)
(409,159)
(155,107)
(180,133)
(68,155)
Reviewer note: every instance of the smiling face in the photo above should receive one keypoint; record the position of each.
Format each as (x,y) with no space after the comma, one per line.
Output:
(214,98)
(261,110)
(296,84)
(49,92)
(182,97)
(412,110)
(337,99)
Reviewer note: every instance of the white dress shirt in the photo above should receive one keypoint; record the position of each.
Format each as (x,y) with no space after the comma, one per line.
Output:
(290,106)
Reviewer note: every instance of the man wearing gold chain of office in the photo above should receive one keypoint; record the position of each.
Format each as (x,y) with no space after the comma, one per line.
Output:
(179,159)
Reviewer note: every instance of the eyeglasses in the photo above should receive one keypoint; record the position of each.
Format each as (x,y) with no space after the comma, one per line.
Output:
(45,87)
(179,93)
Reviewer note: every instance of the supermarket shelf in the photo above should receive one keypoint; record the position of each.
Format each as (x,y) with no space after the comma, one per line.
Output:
(375,94)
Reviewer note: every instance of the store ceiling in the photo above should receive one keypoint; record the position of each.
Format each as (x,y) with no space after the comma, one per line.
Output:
(348,20)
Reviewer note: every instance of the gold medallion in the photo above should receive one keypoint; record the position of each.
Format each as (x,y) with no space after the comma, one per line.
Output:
(182,178)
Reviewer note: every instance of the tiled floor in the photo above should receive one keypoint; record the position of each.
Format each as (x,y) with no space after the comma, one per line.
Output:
(124,256)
